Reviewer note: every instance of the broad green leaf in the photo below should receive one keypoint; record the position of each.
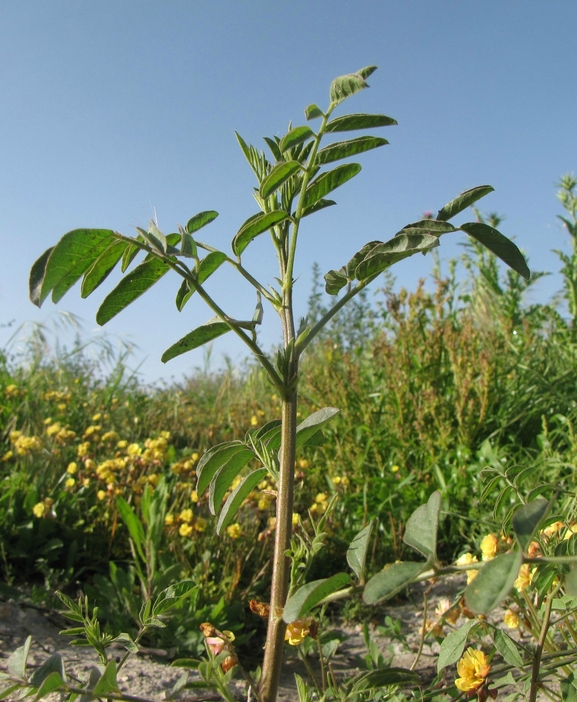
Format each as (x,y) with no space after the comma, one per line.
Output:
(16,663)
(67,262)
(385,255)
(313,112)
(237,497)
(310,426)
(432,226)
(344,149)
(126,641)
(351,266)
(335,281)
(209,264)
(37,273)
(327,182)
(130,288)
(502,247)
(526,520)
(53,664)
(134,525)
(172,595)
(309,595)
(381,677)
(357,551)
(453,646)
(571,582)
(348,123)
(51,682)
(107,682)
(255,225)
(155,237)
(212,460)
(508,649)
(345,86)
(493,582)
(187,245)
(319,205)
(462,201)
(421,528)
(273,145)
(200,336)
(102,267)
(390,581)
(279,175)
(224,476)
(200,220)
(295,137)
(568,687)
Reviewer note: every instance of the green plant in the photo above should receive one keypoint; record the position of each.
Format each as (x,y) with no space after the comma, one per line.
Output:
(291,187)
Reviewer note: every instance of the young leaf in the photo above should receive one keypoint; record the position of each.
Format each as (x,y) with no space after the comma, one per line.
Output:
(107,682)
(135,284)
(310,426)
(526,520)
(237,497)
(102,267)
(508,649)
(155,237)
(335,281)
(345,149)
(313,112)
(135,528)
(296,136)
(255,225)
(327,182)
(187,245)
(183,295)
(212,460)
(385,255)
(348,123)
(200,336)
(279,174)
(200,220)
(345,86)
(391,580)
(309,595)
(462,201)
(493,582)
(381,677)
(59,268)
(421,528)
(357,551)
(16,663)
(453,646)
(225,475)
(502,247)
(319,205)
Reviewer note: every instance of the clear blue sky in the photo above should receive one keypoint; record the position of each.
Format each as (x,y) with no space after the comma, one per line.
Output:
(113,110)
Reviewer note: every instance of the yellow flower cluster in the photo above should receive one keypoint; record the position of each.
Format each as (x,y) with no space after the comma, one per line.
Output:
(11,390)
(24,445)
(320,504)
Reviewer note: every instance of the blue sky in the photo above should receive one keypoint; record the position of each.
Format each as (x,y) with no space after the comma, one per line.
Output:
(112,111)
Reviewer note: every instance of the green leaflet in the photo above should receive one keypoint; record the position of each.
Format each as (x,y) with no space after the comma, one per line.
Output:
(200,336)
(200,220)
(357,551)
(296,136)
(345,149)
(59,268)
(502,247)
(401,246)
(462,201)
(309,595)
(327,182)
(279,175)
(255,225)
(102,267)
(236,498)
(421,528)
(224,476)
(348,123)
(390,581)
(131,287)
(493,582)
(212,460)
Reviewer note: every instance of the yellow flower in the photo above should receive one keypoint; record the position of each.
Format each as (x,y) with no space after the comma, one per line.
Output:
(169,519)
(72,468)
(97,417)
(185,530)
(39,509)
(234,531)
(511,619)
(194,457)
(70,482)
(296,518)
(194,496)
(473,668)
(467,559)
(53,429)
(200,524)
(489,547)
(254,420)
(101,494)
(394,469)
(122,444)
(296,632)
(7,456)
(525,577)
(185,515)
(83,449)
(11,390)
(134,450)
(110,436)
